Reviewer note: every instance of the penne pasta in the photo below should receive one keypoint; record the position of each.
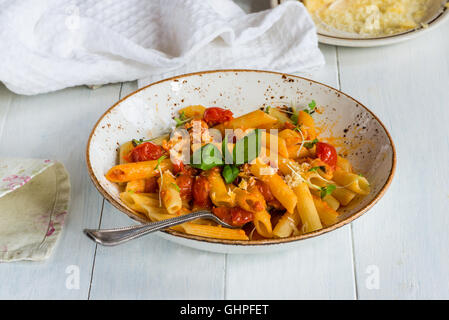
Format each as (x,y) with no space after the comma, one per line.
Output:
(193,112)
(217,232)
(125,149)
(137,170)
(280,179)
(328,216)
(135,186)
(344,196)
(307,123)
(351,181)
(278,187)
(344,164)
(169,192)
(306,209)
(275,144)
(287,225)
(145,204)
(219,192)
(255,119)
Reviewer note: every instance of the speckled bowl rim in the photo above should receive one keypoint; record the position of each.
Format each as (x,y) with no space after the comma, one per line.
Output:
(263,242)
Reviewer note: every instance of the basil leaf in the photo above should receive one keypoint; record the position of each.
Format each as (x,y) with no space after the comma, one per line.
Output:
(316,168)
(207,157)
(230,173)
(248,148)
(325,191)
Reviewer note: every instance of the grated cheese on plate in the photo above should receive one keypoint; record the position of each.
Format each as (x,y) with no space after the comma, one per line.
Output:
(369,17)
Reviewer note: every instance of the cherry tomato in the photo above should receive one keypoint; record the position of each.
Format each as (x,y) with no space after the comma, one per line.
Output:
(240,216)
(264,190)
(151,185)
(234,216)
(223,213)
(327,153)
(185,183)
(178,167)
(200,192)
(216,115)
(146,151)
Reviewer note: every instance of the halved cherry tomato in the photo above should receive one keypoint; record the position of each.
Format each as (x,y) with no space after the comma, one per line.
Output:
(264,190)
(223,213)
(327,153)
(200,192)
(216,115)
(178,167)
(240,216)
(146,151)
(185,183)
(151,185)
(234,216)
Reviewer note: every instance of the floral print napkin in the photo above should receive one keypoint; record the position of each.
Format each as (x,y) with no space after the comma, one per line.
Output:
(34,199)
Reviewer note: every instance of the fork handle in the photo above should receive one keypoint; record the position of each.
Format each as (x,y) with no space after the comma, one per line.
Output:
(112,237)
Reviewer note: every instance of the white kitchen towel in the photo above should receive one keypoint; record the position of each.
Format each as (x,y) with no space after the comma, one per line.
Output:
(48,45)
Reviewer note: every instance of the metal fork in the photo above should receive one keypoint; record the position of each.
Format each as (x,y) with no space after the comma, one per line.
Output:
(112,237)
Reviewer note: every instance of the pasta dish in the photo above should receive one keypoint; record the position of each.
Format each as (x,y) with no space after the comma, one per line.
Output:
(369,17)
(266,172)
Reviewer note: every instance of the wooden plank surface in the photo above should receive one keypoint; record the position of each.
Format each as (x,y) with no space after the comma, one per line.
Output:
(401,245)
(56,126)
(309,272)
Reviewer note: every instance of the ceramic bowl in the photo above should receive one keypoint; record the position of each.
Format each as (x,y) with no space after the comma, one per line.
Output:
(148,112)
(437,13)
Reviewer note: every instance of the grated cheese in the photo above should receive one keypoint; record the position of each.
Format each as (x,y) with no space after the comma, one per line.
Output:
(369,17)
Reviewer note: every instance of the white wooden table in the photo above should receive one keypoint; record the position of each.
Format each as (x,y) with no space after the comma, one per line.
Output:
(399,249)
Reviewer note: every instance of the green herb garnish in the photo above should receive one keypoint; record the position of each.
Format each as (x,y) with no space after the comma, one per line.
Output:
(309,145)
(247,148)
(136,142)
(316,168)
(267,110)
(230,173)
(181,120)
(207,157)
(294,118)
(175,186)
(325,191)
(159,161)
(311,106)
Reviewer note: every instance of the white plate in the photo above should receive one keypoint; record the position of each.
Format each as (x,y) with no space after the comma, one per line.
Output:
(148,112)
(437,14)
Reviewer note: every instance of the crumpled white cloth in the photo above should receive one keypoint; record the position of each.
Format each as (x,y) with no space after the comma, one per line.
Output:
(48,45)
